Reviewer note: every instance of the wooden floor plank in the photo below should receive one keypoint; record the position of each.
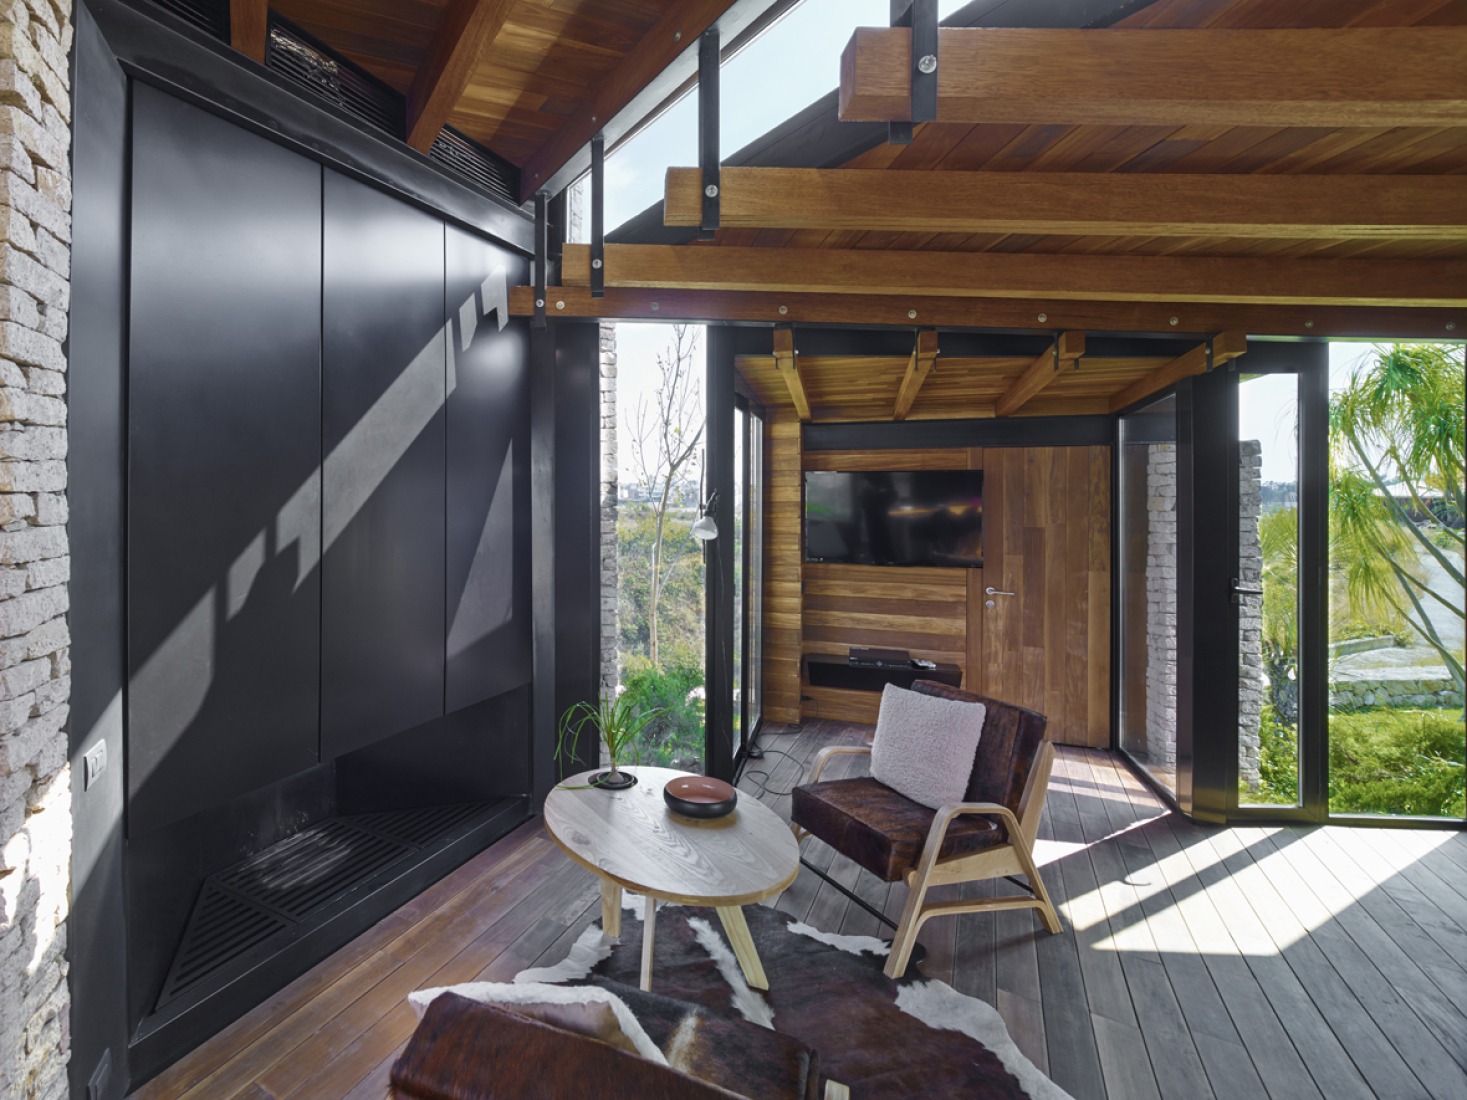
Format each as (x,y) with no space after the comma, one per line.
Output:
(1292,964)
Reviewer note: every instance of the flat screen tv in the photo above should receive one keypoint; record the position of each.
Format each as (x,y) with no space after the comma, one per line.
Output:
(902,517)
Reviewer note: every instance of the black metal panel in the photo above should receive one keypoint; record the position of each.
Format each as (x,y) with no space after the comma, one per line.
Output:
(171,54)
(488,608)
(96,946)
(224,441)
(382,427)
(1014,431)
(718,557)
(565,449)
(480,752)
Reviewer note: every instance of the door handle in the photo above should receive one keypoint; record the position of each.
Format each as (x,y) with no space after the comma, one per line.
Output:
(1239,590)
(990,590)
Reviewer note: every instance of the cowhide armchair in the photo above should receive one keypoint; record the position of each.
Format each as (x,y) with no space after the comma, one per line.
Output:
(990,834)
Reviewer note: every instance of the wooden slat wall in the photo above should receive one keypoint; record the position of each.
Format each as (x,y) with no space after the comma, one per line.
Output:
(783,559)
(924,611)
(1047,518)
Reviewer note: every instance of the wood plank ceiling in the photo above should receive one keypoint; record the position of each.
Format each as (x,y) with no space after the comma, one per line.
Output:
(530,80)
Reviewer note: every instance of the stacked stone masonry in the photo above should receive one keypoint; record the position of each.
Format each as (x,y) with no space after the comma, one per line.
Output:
(1252,683)
(610,626)
(1161,606)
(35,782)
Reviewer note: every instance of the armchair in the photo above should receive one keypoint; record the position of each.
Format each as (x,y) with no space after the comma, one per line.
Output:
(990,834)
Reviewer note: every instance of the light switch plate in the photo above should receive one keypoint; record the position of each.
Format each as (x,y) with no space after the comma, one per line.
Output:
(96,764)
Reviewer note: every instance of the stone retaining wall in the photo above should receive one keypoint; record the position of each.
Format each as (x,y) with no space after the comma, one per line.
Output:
(1161,605)
(1394,692)
(35,669)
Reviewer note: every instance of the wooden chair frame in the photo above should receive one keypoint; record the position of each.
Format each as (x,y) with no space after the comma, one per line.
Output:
(1016,856)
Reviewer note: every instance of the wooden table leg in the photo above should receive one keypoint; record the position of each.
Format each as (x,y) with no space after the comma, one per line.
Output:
(649,922)
(737,930)
(610,909)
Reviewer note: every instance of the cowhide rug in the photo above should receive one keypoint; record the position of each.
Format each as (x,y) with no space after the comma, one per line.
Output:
(884,1039)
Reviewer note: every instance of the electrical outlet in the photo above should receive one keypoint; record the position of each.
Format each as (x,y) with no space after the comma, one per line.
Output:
(96,764)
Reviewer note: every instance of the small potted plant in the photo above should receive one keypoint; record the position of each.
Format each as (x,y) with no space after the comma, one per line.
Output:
(618,720)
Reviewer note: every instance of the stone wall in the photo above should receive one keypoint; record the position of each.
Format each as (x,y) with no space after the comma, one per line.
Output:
(610,625)
(35,781)
(1399,690)
(1252,682)
(1161,606)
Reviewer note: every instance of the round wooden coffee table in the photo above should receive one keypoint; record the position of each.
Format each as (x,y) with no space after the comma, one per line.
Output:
(630,840)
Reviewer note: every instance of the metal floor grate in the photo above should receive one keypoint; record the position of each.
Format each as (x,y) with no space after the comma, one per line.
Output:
(240,909)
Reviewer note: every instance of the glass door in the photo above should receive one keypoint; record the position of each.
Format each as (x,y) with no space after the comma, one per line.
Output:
(1147,509)
(1396,734)
(1265,589)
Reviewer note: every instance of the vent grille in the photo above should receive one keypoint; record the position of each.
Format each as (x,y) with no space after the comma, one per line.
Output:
(240,910)
(210,16)
(297,57)
(472,161)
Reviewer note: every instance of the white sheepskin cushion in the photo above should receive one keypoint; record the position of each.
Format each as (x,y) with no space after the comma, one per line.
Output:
(924,745)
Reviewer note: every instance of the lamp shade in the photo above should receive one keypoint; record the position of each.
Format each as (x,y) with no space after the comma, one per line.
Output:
(704,529)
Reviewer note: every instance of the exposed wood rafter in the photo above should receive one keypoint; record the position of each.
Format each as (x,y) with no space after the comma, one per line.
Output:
(1378,77)
(924,356)
(464,30)
(787,363)
(768,307)
(249,27)
(1226,346)
(1068,347)
(1079,203)
(1019,275)
(676,32)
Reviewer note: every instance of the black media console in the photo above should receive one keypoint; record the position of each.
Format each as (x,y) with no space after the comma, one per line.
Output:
(829,670)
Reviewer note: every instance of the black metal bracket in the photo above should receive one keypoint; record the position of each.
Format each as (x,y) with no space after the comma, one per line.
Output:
(921,17)
(542,255)
(708,147)
(598,211)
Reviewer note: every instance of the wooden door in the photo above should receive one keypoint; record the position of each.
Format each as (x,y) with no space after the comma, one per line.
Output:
(1047,541)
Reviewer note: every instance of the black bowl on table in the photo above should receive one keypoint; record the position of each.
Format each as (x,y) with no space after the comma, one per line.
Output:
(699,796)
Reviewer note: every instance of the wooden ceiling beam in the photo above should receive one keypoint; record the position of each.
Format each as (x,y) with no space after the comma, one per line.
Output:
(788,365)
(1068,347)
(1078,203)
(1262,281)
(464,30)
(1374,77)
(919,366)
(249,27)
(672,304)
(674,33)
(1226,346)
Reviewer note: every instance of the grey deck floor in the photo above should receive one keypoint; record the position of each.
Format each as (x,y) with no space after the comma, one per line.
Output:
(1245,962)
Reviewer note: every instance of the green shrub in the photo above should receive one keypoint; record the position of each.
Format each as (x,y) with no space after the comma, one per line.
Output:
(1278,762)
(673,739)
(1395,761)
(1382,760)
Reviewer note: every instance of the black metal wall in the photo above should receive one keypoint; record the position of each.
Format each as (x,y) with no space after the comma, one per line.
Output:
(224,443)
(301,428)
(96,945)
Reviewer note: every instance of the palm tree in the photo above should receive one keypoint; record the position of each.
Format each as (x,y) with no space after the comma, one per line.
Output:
(1396,431)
